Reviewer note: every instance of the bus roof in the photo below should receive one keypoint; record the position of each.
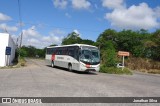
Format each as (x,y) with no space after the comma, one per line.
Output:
(72,45)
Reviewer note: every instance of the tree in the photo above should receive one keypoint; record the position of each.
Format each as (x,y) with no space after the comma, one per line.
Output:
(74,38)
(155,48)
(128,40)
(71,38)
(107,35)
(109,55)
(86,41)
(107,45)
(31,51)
(23,52)
(53,45)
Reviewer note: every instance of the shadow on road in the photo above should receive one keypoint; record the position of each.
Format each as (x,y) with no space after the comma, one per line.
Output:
(76,72)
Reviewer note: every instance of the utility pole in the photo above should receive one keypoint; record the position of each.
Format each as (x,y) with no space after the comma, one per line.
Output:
(21,39)
(20,22)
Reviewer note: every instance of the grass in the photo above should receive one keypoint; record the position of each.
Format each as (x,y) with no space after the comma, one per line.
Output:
(115,70)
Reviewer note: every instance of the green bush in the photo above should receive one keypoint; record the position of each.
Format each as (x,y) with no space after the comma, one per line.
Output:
(23,52)
(114,70)
(109,54)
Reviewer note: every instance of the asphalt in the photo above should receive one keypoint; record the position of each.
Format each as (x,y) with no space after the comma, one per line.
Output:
(38,79)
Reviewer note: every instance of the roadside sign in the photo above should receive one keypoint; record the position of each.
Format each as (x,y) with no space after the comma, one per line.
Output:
(122,53)
(8,50)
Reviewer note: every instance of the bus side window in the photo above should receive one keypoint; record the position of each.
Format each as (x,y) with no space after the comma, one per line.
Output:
(76,53)
(64,51)
(71,52)
(60,51)
(57,51)
(49,50)
(52,51)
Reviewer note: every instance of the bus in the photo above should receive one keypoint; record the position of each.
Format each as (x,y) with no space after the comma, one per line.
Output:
(79,57)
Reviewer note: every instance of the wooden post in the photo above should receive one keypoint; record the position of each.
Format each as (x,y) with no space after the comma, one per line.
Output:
(123,62)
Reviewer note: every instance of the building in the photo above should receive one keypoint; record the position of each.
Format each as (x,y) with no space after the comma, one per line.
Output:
(6,41)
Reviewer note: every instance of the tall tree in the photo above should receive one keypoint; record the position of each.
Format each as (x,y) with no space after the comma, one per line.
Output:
(107,35)
(86,41)
(71,38)
(155,48)
(128,40)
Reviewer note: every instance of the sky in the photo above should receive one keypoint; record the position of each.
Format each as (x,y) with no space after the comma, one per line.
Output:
(46,22)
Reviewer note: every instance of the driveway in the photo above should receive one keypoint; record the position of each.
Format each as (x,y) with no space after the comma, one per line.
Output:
(38,79)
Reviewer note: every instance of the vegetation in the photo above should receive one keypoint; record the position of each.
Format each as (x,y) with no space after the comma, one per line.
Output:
(31,51)
(143,46)
(73,38)
(114,70)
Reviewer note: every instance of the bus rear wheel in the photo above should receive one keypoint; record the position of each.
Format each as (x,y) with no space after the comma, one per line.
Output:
(69,67)
(52,64)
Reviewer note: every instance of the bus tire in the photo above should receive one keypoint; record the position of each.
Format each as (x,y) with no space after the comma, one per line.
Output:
(69,67)
(52,64)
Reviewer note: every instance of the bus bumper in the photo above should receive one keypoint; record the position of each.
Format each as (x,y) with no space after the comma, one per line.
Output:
(93,68)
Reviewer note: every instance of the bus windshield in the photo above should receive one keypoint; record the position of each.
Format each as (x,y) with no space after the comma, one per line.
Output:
(90,56)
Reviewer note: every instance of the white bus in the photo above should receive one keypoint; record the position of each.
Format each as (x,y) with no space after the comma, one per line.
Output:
(78,57)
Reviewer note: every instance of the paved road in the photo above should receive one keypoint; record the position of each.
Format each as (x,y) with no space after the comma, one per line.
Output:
(38,79)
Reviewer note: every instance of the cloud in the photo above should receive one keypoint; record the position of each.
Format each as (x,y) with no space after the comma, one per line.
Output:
(135,17)
(56,36)
(68,15)
(31,32)
(157,10)
(4,27)
(7,28)
(81,4)
(60,3)
(112,4)
(32,37)
(4,17)
(76,31)
(76,4)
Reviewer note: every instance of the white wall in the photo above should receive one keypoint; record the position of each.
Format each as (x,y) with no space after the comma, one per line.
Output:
(6,40)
